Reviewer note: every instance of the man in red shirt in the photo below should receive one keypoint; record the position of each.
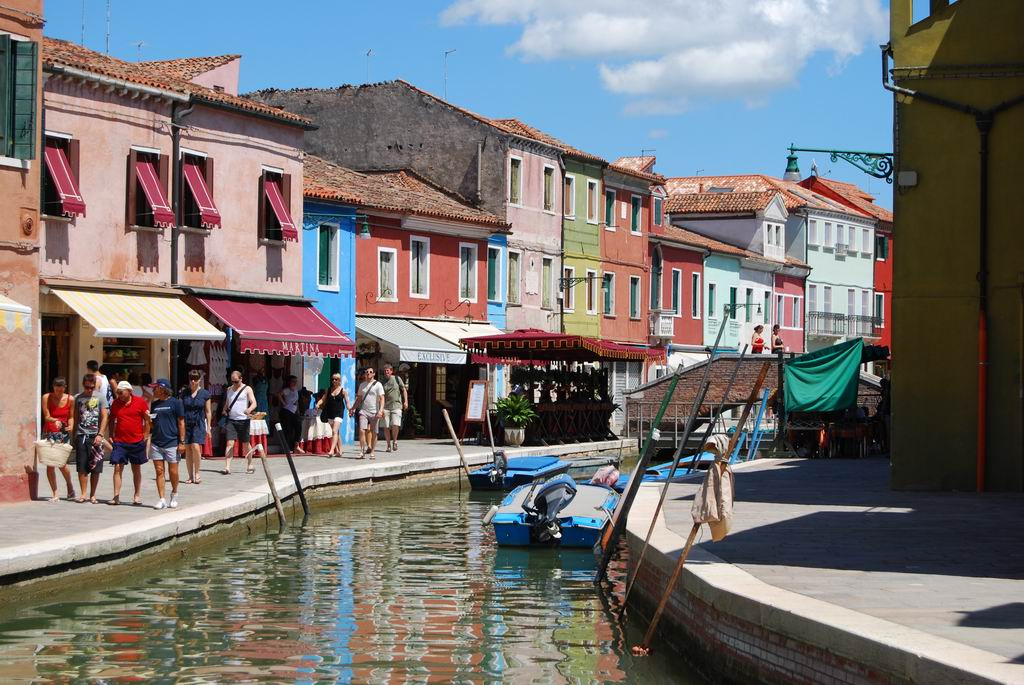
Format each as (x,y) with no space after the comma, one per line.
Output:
(129,416)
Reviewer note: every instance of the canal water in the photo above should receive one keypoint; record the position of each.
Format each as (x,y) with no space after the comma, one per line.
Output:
(410,588)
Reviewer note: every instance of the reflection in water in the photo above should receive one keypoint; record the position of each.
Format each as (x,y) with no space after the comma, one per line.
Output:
(399,590)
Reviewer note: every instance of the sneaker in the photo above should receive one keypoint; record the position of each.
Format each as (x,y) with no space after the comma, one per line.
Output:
(174,502)
(161,504)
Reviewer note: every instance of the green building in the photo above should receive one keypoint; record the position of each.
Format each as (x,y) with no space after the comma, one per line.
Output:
(581,242)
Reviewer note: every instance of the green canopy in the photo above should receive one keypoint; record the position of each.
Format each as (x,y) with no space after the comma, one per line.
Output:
(825,380)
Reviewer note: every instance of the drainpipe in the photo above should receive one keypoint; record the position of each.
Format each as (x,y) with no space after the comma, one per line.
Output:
(177,114)
(561,249)
(479,171)
(983,120)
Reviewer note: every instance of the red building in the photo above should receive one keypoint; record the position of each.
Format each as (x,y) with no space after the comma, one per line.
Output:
(852,196)
(421,280)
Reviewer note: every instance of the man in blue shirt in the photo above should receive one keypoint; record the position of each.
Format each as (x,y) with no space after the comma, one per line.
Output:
(167,439)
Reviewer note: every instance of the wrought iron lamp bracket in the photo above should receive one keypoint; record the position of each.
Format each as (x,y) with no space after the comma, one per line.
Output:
(877,164)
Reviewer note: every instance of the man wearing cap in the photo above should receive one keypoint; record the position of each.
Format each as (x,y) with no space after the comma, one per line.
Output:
(167,440)
(129,416)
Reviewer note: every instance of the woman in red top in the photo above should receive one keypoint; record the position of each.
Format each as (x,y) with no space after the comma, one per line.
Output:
(757,340)
(58,421)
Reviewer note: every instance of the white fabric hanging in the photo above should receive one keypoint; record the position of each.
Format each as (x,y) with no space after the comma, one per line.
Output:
(197,355)
(713,503)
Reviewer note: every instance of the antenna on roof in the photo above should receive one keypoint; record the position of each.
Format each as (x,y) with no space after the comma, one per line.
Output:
(645,150)
(698,172)
(138,49)
(369,53)
(446,53)
(108,27)
(82,41)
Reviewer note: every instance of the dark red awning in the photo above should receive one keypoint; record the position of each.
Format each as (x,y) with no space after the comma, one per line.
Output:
(534,344)
(272,188)
(71,201)
(208,214)
(145,170)
(281,328)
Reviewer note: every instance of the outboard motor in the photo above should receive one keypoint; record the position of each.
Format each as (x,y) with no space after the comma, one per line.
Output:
(548,500)
(500,466)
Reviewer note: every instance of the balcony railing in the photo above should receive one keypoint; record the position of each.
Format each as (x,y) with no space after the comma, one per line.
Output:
(842,249)
(826,324)
(858,326)
(662,323)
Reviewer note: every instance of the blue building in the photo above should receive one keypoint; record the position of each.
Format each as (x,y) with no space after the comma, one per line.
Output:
(328,278)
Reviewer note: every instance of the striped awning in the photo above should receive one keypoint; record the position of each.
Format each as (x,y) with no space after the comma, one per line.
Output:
(133,315)
(14,316)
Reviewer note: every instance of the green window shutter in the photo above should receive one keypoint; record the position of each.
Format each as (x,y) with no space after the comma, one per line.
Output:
(23,132)
(492,275)
(5,94)
(325,255)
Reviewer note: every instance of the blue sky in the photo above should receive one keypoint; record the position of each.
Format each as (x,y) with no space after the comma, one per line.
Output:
(608,85)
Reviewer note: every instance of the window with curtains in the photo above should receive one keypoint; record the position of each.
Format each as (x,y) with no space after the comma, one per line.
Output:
(549,188)
(591,291)
(569,289)
(634,215)
(593,206)
(695,295)
(569,196)
(419,267)
(327,256)
(609,209)
(514,276)
(608,285)
(634,297)
(677,291)
(515,181)
(493,274)
(467,272)
(546,269)
(387,278)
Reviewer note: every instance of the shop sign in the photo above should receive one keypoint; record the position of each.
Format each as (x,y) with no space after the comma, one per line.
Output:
(432,357)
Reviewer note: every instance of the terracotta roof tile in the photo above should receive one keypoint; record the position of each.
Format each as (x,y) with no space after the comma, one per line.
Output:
(395,191)
(640,163)
(58,53)
(719,203)
(858,198)
(517,127)
(793,194)
(693,239)
(187,68)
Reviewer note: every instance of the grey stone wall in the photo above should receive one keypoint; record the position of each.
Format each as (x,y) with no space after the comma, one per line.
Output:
(394,126)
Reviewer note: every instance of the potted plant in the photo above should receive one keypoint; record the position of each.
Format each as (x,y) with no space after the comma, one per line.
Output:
(515,412)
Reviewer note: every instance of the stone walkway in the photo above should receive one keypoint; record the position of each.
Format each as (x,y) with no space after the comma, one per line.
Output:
(948,564)
(37,535)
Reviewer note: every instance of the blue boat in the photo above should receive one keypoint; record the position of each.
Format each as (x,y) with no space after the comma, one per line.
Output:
(558,511)
(659,473)
(506,474)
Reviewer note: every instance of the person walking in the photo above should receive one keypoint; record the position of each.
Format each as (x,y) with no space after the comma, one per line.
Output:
(396,400)
(102,382)
(90,418)
(196,401)
(167,440)
(291,422)
(58,423)
(777,344)
(239,404)
(332,405)
(369,406)
(132,424)
(757,340)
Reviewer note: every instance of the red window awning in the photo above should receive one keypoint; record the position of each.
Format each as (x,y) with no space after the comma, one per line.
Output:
(208,214)
(533,344)
(145,170)
(71,201)
(272,189)
(281,328)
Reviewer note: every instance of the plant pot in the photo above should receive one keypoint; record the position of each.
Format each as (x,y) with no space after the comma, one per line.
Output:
(514,437)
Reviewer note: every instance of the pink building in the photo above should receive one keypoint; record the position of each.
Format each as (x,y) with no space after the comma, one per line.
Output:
(172,209)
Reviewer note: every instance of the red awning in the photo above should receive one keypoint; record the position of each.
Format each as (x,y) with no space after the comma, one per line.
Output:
(208,213)
(71,202)
(533,344)
(281,328)
(146,173)
(272,188)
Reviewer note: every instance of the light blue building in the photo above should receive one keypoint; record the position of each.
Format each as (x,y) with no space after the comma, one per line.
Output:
(328,278)
(497,299)
(721,288)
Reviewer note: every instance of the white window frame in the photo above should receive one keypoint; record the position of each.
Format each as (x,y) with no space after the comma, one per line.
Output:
(609,220)
(476,275)
(712,287)
(501,272)
(812,297)
(550,304)
(611,289)
(813,239)
(394,276)
(826,299)
(596,205)
(522,169)
(879,314)
(766,299)
(657,210)
(851,293)
(571,179)
(867,245)
(798,307)
(780,310)
(677,277)
(412,266)
(519,277)
(569,305)
(592,291)
(830,237)
(697,296)
(866,303)
(640,216)
(554,194)
(639,297)
(336,229)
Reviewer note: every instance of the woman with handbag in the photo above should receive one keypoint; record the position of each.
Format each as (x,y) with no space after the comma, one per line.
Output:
(332,405)
(58,422)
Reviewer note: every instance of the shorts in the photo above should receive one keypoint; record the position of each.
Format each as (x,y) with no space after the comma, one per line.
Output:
(195,434)
(129,453)
(167,454)
(367,421)
(83,454)
(237,430)
(393,418)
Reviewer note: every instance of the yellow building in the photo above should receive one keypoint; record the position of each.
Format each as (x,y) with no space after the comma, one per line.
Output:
(958,79)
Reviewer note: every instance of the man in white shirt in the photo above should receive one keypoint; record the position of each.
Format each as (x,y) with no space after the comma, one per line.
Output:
(102,384)
(369,406)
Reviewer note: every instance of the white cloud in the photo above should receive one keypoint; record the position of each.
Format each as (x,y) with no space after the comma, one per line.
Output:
(666,53)
(657,133)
